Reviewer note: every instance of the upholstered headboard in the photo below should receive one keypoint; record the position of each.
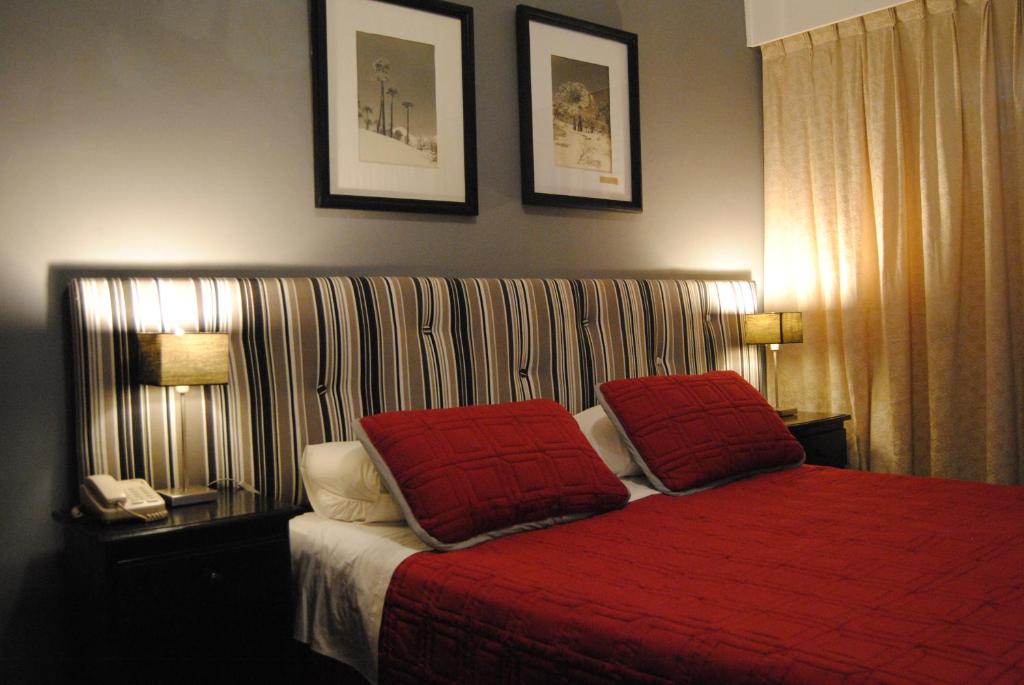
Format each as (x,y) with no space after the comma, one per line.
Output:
(309,356)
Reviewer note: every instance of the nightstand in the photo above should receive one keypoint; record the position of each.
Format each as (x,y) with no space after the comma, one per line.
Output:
(204,594)
(822,435)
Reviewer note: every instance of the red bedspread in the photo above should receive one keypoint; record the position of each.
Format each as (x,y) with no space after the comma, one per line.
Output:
(812,575)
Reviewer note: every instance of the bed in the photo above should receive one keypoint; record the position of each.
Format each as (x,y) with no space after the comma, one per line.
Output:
(810,575)
(802,575)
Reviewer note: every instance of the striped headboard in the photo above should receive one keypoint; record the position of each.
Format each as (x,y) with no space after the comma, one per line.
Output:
(309,356)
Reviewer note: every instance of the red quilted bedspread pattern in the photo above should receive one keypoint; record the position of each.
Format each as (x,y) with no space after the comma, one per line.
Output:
(811,575)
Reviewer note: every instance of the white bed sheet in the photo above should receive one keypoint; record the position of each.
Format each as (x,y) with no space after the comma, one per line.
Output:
(341,572)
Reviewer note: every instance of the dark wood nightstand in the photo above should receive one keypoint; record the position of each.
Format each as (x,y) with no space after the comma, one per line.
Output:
(822,435)
(204,594)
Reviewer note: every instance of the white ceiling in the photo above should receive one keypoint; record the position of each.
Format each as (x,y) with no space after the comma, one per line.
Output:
(769,20)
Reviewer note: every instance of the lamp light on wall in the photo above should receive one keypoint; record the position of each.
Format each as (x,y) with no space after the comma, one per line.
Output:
(774,329)
(182,360)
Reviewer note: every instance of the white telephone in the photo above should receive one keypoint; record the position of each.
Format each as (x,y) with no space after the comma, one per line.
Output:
(116,500)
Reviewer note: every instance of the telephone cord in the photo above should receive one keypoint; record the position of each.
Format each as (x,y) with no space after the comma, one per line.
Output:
(235,483)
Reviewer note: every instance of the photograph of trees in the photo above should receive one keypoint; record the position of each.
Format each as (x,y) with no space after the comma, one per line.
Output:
(396,74)
(581,114)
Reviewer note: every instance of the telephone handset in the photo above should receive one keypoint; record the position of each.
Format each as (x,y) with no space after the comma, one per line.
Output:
(117,500)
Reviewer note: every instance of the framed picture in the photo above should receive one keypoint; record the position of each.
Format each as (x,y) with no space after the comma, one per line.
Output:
(394,113)
(579,113)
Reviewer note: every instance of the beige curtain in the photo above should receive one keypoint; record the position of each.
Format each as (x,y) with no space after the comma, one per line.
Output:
(894,160)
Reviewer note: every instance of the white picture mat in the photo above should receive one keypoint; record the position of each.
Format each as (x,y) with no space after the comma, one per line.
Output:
(546,40)
(349,175)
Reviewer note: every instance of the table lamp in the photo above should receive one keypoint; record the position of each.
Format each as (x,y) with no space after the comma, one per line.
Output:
(774,329)
(182,360)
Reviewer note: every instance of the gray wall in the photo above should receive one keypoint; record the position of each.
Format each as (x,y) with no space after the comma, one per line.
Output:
(170,135)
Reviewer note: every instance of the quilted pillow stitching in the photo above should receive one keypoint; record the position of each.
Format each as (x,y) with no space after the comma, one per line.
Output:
(690,433)
(469,474)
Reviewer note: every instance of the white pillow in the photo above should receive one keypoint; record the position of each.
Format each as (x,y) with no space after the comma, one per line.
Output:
(607,442)
(342,483)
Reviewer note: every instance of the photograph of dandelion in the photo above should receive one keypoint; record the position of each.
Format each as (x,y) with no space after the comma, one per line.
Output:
(394,111)
(579,113)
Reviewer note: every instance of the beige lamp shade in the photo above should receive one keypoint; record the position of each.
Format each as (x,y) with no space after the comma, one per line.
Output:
(773,328)
(183,359)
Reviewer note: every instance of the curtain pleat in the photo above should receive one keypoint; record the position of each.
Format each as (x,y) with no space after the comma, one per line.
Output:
(893,167)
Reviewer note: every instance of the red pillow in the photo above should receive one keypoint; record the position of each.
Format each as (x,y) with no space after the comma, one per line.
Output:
(690,433)
(470,474)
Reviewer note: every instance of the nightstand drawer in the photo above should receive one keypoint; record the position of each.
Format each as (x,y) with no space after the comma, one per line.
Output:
(200,597)
(227,602)
(822,435)
(825,449)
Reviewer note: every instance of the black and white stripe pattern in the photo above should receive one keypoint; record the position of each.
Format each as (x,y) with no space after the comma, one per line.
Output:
(309,356)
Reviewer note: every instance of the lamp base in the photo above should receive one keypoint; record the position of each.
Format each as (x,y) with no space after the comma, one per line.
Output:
(179,497)
(786,413)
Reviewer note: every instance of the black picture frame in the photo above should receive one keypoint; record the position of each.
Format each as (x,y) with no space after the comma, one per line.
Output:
(526,15)
(323,134)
